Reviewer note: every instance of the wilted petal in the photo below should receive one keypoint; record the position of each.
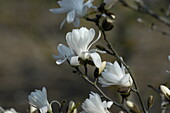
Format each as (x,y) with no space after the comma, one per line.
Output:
(96,59)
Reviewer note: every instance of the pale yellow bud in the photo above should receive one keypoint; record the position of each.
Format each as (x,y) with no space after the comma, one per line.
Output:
(72,107)
(102,67)
(132,107)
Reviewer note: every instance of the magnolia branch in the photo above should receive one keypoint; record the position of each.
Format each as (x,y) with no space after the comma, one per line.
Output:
(95,85)
(143,9)
(127,67)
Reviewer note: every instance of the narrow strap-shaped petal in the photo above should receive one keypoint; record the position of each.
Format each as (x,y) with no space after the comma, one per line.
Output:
(95,40)
(60,61)
(96,59)
(58,10)
(76,22)
(74,61)
(71,16)
(62,23)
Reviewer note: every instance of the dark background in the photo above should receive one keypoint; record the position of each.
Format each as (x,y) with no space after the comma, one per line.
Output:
(29,36)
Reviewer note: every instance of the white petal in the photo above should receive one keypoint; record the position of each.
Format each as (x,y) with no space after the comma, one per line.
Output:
(62,23)
(58,62)
(95,40)
(109,104)
(44,109)
(58,10)
(71,16)
(76,22)
(74,61)
(96,59)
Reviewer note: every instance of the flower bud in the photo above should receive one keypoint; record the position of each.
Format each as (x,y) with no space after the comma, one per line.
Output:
(72,107)
(124,91)
(121,112)
(132,107)
(165,91)
(99,70)
(107,23)
(102,67)
(150,101)
(33,110)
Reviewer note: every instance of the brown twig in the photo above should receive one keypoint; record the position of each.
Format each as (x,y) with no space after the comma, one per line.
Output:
(143,9)
(127,67)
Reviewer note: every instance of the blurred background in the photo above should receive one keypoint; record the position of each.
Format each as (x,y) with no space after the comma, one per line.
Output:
(29,36)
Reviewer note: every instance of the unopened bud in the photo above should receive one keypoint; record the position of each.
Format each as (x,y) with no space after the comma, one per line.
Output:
(140,20)
(132,107)
(72,107)
(150,101)
(99,70)
(165,91)
(33,110)
(124,91)
(107,24)
(102,67)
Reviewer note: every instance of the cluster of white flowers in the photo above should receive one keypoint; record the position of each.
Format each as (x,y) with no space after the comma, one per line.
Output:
(77,53)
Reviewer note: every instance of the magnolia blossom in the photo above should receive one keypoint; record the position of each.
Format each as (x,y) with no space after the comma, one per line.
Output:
(74,9)
(95,105)
(166,91)
(11,110)
(39,100)
(79,41)
(115,75)
(109,3)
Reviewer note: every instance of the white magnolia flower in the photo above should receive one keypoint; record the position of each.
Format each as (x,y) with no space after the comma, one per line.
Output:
(11,110)
(115,75)
(74,9)
(79,41)
(39,100)
(166,91)
(109,3)
(95,105)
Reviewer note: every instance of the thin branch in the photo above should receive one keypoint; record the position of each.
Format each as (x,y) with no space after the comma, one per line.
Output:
(103,94)
(127,67)
(143,9)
